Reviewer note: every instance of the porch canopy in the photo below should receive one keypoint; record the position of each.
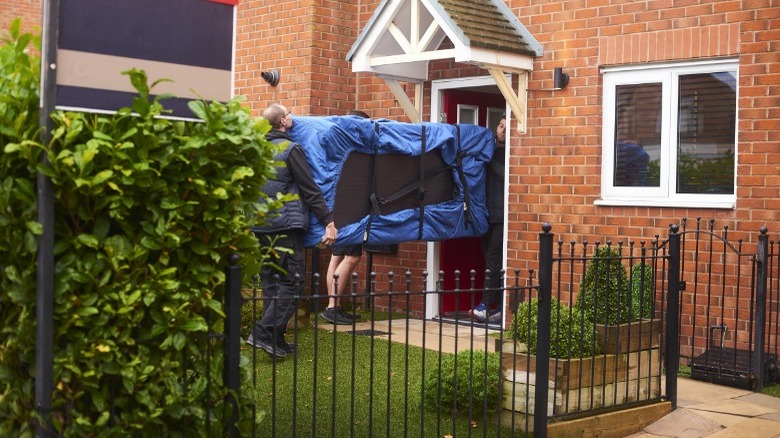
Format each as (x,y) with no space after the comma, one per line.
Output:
(403,36)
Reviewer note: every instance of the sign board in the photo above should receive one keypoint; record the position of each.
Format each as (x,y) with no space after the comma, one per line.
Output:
(190,42)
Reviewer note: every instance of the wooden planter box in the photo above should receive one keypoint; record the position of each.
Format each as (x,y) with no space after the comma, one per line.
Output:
(578,385)
(624,338)
(567,373)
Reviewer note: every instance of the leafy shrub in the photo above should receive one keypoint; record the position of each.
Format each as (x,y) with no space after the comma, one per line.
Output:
(642,292)
(604,292)
(471,391)
(571,335)
(19,73)
(147,211)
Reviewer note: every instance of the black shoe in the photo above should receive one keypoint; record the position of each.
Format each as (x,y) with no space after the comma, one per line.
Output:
(273,350)
(350,316)
(333,315)
(288,349)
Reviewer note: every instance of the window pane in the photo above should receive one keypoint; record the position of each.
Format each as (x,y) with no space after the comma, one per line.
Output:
(467,114)
(638,135)
(706,123)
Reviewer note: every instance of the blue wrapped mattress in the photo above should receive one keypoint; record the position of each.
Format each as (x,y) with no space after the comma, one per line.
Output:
(389,182)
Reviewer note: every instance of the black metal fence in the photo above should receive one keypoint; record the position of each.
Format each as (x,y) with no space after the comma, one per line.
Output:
(390,374)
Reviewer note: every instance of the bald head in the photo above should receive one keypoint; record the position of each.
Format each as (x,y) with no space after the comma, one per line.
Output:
(278,116)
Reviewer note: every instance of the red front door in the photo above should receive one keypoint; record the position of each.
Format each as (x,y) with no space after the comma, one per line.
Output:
(465,254)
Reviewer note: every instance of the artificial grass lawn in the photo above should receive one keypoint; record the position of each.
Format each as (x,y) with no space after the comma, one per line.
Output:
(380,396)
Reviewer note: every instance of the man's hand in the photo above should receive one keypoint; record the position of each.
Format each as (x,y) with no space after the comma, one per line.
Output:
(330,235)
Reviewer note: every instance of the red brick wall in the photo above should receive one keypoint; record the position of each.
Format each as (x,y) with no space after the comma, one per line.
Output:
(555,171)
(556,166)
(30,12)
(306,43)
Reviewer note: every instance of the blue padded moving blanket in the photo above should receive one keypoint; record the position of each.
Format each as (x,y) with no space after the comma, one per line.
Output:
(383,189)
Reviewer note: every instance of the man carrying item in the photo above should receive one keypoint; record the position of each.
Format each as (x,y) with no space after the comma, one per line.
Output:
(284,231)
(343,263)
(489,309)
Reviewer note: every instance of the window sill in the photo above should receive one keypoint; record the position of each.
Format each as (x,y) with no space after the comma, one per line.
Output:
(666,202)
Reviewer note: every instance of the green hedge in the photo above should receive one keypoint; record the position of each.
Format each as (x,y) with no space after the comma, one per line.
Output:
(474,388)
(605,290)
(147,211)
(571,334)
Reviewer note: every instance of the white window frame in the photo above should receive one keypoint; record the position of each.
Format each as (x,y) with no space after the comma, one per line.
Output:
(665,195)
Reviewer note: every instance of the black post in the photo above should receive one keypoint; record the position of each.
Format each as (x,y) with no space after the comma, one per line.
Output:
(232,343)
(314,303)
(762,261)
(673,316)
(543,330)
(44,313)
(369,269)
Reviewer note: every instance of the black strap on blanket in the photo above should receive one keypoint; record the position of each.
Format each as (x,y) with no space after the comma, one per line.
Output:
(463,182)
(375,210)
(409,188)
(421,189)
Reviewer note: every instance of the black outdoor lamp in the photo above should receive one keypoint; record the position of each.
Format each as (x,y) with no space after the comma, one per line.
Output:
(560,79)
(272,77)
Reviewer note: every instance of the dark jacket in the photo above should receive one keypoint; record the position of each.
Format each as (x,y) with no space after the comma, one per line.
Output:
(494,188)
(293,178)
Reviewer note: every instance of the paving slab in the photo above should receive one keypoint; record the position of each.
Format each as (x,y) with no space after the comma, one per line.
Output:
(724,420)
(772,417)
(691,391)
(762,400)
(734,407)
(752,427)
(683,423)
(644,434)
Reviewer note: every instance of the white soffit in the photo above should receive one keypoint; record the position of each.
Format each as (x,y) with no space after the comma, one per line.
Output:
(404,35)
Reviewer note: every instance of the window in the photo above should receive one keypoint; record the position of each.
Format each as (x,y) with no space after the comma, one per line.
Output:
(468,114)
(669,135)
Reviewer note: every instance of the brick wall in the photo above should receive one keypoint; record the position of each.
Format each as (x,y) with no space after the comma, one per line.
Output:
(307,42)
(556,167)
(30,12)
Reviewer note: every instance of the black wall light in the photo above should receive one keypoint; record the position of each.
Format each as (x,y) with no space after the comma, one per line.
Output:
(272,77)
(560,79)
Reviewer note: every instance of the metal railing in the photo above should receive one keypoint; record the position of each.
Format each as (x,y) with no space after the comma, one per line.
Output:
(393,375)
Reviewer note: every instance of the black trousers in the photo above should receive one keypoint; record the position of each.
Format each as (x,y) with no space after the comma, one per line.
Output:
(280,287)
(492,248)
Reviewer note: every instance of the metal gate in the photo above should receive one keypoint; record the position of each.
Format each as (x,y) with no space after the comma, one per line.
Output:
(729,306)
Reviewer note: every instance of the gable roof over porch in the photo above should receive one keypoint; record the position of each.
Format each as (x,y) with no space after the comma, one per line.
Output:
(402,37)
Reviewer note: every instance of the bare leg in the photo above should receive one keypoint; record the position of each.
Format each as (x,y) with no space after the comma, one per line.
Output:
(344,271)
(335,261)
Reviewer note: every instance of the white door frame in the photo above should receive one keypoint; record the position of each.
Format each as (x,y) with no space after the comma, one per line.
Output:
(433,258)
